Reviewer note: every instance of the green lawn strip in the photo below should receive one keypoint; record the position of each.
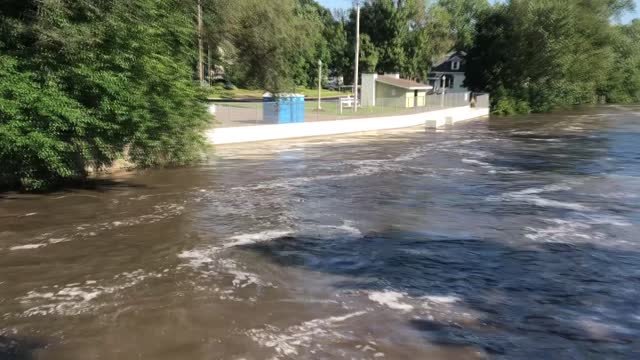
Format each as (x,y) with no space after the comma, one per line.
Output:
(219,92)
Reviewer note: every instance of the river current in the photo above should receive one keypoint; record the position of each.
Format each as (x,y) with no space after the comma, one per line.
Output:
(495,239)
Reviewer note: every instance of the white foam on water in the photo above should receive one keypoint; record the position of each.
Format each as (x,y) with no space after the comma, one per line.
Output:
(412,154)
(474,153)
(457,171)
(506,172)
(346,230)
(58,240)
(357,168)
(209,262)
(309,334)
(440,299)
(209,255)
(492,169)
(360,170)
(563,231)
(545,139)
(540,190)
(75,299)
(77,232)
(476,162)
(200,257)
(349,229)
(27,247)
(214,261)
(390,299)
(599,329)
(531,196)
(578,228)
(241,278)
(542,202)
(469,141)
(601,219)
(252,238)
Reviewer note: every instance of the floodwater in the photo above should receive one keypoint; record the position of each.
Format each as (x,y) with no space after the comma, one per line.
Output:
(497,239)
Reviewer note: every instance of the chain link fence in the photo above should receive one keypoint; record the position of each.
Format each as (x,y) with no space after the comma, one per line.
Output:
(246,113)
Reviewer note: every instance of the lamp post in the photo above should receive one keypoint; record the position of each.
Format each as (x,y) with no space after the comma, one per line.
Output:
(444,86)
(319,84)
(357,58)
(200,46)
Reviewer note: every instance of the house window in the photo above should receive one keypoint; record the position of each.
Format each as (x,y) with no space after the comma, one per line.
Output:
(393,92)
(455,65)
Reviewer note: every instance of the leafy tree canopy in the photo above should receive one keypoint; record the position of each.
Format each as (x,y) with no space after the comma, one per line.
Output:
(538,55)
(81,82)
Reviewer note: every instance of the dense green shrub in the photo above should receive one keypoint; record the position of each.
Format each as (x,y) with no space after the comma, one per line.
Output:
(80,81)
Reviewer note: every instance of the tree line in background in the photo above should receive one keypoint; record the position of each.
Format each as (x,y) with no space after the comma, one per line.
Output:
(276,45)
(86,82)
(534,56)
(531,55)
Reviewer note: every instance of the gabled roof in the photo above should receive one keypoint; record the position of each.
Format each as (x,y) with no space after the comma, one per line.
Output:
(403,83)
(445,65)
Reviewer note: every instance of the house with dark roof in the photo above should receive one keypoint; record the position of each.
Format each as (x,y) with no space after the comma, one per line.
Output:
(449,73)
(391,90)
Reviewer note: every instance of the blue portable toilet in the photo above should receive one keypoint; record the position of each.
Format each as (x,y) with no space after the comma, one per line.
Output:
(269,106)
(297,107)
(283,109)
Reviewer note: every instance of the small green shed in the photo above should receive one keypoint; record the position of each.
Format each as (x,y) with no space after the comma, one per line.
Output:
(390,90)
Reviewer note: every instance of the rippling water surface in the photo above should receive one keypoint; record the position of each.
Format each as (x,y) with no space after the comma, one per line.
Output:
(500,239)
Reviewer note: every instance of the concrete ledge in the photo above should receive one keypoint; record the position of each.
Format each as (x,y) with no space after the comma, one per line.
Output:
(437,119)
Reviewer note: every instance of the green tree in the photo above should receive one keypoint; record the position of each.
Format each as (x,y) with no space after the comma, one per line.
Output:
(623,84)
(273,45)
(540,55)
(402,36)
(464,15)
(428,42)
(82,81)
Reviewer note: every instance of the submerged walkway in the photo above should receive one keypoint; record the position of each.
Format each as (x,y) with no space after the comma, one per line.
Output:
(436,118)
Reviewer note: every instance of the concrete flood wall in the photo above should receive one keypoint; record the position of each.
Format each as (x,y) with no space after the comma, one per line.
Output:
(434,119)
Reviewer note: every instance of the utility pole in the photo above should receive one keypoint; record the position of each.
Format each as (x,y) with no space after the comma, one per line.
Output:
(355,78)
(319,83)
(209,63)
(200,45)
(444,87)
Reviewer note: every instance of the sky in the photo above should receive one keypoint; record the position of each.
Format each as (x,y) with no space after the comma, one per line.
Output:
(342,4)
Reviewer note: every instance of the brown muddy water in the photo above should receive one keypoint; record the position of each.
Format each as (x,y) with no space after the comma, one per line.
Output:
(499,239)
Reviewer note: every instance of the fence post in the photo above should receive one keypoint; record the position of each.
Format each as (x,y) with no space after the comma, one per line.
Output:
(448,121)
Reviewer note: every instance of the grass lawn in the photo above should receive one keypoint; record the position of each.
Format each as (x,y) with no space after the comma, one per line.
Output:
(219,92)
(325,92)
(332,107)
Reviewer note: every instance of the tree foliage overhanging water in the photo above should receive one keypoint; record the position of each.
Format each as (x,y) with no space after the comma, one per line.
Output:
(83,82)
(538,55)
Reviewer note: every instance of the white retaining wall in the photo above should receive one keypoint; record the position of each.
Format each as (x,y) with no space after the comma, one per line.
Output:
(437,118)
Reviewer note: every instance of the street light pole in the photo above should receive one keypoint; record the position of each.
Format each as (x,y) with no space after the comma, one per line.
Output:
(208,75)
(200,45)
(319,84)
(444,86)
(355,78)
